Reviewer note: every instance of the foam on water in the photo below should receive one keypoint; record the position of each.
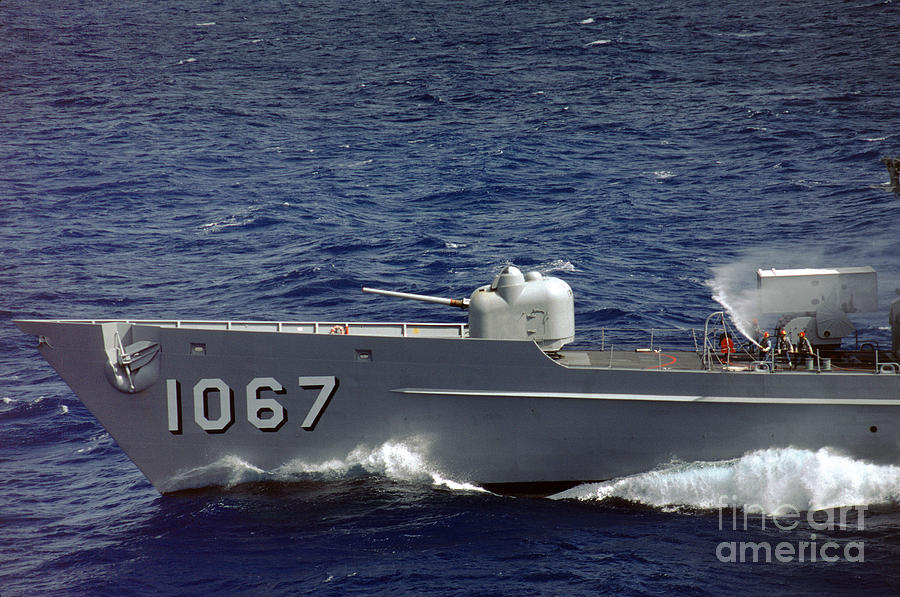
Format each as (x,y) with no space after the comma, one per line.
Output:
(228,471)
(402,460)
(776,480)
(557,265)
(236,220)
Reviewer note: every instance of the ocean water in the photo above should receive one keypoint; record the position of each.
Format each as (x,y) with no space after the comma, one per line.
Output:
(264,160)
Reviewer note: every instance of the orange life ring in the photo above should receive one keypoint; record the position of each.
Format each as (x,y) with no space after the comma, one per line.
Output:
(339,329)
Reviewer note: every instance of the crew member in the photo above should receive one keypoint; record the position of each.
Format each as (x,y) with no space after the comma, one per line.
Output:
(757,332)
(803,346)
(785,347)
(765,345)
(726,343)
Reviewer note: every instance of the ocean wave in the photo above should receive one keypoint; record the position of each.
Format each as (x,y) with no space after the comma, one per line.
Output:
(747,34)
(402,460)
(98,442)
(775,481)
(248,219)
(557,265)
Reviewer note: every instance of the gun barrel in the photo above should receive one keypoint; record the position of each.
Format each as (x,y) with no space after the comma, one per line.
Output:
(461,303)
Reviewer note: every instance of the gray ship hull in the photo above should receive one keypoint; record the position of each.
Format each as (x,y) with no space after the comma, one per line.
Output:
(490,412)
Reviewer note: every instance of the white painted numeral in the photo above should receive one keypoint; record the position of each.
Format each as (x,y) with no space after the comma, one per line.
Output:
(226,405)
(256,405)
(173,403)
(328,385)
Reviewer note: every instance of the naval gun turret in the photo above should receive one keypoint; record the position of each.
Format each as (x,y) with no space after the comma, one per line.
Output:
(514,306)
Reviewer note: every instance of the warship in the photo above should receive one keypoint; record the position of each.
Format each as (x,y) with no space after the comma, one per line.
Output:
(504,400)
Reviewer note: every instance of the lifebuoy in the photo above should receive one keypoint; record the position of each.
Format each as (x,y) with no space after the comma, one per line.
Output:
(339,329)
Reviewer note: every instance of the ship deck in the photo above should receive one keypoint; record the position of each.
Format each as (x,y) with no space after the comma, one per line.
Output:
(652,358)
(688,360)
(635,359)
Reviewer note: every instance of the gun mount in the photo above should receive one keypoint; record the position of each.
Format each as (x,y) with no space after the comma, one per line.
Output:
(514,307)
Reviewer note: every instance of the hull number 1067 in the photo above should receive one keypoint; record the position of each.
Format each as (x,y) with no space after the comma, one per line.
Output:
(213,402)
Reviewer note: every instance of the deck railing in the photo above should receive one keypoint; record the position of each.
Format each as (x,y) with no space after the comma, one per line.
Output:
(651,339)
(394,329)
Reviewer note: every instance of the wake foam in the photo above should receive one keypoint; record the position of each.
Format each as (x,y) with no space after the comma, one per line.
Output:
(400,460)
(557,265)
(776,480)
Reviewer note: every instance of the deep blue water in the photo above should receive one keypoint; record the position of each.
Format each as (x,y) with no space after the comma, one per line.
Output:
(264,160)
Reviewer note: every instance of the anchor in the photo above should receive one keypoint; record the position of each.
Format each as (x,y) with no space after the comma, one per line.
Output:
(134,367)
